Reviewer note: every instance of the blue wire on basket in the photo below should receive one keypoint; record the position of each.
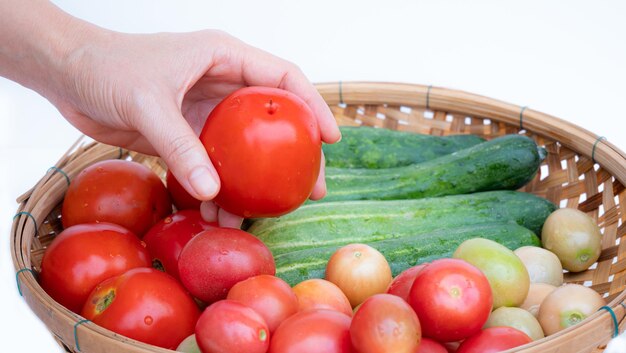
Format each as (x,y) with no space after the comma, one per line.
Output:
(17,278)
(31,217)
(76,332)
(521,117)
(57,169)
(428,97)
(340,92)
(593,149)
(615,324)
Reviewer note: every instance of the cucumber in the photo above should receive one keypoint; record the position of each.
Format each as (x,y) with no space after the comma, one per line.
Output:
(402,253)
(504,163)
(334,223)
(368,147)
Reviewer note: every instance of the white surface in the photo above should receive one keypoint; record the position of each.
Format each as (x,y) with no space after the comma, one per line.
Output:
(565,58)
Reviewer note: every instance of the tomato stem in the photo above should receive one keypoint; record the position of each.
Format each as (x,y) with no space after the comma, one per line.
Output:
(262,335)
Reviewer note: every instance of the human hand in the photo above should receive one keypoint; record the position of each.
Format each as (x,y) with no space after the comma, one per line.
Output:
(152,93)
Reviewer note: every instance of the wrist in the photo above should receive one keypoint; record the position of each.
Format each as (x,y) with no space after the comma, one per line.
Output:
(36,41)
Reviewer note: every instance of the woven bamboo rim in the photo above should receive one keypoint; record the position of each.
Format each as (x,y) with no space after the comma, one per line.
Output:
(569,177)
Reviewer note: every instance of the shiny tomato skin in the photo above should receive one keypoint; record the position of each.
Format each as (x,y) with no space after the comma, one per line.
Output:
(452,299)
(145,304)
(229,326)
(401,284)
(82,256)
(266,147)
(317,293)
(385,323)
(313,331)
(214,260)
(119,192)
(428,345)
(494,339)
(166,239)
(180,197)
(269,296)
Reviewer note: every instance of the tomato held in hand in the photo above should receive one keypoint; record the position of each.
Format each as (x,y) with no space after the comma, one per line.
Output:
(269,296)
(144,304)
(180,197)
(266,147)
(494,339)
(385,323)
(216,259)
(119,192)
(82,256)
(313,331)
(166,239)
(452,299)
(229,326)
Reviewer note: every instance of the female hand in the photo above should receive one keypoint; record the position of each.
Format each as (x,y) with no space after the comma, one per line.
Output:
(151,93)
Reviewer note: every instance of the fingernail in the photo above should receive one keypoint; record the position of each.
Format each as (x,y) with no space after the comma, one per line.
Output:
(202,182)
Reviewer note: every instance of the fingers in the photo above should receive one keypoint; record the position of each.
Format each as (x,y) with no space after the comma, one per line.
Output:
(174,140)
(263,69)
(319,190)
(228,220)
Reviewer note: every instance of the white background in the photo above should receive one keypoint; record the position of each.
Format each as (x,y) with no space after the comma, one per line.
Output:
(565,58)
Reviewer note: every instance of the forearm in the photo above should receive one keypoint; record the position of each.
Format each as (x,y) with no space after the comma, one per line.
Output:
(36,39)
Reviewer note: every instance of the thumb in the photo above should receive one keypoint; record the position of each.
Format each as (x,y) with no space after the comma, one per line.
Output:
(175,141)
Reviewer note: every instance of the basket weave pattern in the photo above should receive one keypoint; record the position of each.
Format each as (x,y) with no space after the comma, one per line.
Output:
(581,171)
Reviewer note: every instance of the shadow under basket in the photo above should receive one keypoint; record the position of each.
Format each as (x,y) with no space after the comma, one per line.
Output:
(581,171)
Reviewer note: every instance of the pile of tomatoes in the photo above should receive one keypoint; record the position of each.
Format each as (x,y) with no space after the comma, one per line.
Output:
(127,263)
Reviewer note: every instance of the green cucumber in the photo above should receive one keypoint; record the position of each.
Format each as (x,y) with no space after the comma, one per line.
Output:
(368,147)
(504,163)
(334,223)
(402,253)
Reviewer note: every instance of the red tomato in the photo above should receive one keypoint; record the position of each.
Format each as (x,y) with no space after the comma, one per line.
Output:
(216,259)
(166,239)
(313,331)
(317,293)
(401,284)
(84,255)
(229,326)
(181,198)
(385,323)
(269,296)
(266,147)
(428,345)
(144,304)
(116,191)
(494,339)
(452,298)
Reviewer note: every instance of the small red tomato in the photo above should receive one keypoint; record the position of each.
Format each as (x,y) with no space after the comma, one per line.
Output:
(401,284)
(144,304)
(119,192)
(428,345)
(385,323)
(265,145)
(269,296)
(452,299)
(181,198)
(313,331)
(166,239)
(317,293)
(216,259)
(82,256)
(229,326)
(494,339)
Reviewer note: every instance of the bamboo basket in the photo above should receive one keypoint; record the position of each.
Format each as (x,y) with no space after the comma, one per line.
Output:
(581,171)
